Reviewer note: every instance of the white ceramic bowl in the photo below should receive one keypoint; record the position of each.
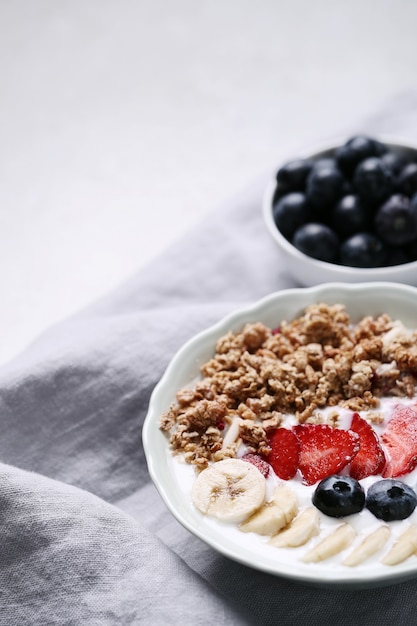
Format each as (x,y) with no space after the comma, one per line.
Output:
(174,480)
(308,271)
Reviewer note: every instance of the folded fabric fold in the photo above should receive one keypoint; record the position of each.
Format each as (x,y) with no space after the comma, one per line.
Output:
(68,557)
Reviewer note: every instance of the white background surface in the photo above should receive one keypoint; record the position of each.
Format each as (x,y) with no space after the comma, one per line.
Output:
(122,122)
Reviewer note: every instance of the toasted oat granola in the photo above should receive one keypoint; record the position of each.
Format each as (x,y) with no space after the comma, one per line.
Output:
(259,374)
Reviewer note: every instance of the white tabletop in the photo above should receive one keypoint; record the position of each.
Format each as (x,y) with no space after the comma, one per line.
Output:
(123,122)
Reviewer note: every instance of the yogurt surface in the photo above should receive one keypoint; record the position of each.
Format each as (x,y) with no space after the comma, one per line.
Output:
(363,523)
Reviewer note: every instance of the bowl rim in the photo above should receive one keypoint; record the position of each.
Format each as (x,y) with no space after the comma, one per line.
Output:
(290,249)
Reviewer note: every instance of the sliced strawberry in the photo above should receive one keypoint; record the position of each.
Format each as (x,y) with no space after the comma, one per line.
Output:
(400,440)
(258,462)
(285,453)
(324,450)
(370,459)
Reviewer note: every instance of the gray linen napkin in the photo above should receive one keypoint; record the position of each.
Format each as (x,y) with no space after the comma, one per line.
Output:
(85,536)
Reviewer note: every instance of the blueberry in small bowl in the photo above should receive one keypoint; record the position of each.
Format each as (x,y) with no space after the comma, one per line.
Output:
(347,213)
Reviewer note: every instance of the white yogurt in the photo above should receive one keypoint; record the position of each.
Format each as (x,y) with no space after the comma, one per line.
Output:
(363,522)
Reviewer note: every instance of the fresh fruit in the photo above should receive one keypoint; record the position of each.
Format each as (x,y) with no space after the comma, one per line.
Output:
(290,212)
(391,500)
(229,490)
(273,515)
(350,216)
(363,250)
(339,496)
(396,220)
(404,547)
(305,526)
(285,453)
(336,542)
(404,254)
(393,161)
(355,150)
(324,187)
(370,460)
(407,179)
(344,191)
(293,175)
(368,546)
(324,162)
(318,241)
(400,441)
(258,462)
(324,450)
(373,181)
(410,249)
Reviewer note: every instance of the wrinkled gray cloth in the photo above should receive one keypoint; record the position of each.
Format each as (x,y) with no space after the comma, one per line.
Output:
(85,537)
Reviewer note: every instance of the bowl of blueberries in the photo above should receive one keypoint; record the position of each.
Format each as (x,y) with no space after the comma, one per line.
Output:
(347,213)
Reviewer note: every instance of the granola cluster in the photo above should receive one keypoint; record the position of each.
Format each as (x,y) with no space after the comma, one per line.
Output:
(259,375)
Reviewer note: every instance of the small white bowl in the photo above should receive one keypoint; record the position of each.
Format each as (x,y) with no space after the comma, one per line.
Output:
(308,271)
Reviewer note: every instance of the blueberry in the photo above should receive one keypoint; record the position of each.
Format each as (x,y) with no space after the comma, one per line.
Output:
(318,241)
(290,212)
(373,181)
(391,500)
(363,250)
(398,255)
(396,220)
(278,194)
(325,162)
(338,496)
(350,216)
(407,179)
(330,162)
(324,187)
(293,175)
(411,250)
(347,188)
(356,150)
(393,161)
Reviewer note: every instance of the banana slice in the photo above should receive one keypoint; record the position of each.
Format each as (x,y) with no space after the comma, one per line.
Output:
(368,547)
(274,515)
(405,546)
(302,529)
(229,490)
(340,539)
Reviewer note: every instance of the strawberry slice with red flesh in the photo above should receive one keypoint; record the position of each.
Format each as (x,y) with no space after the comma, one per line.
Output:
(258,462)
(324,450)
(400,441)
(285,453)
(370,460)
